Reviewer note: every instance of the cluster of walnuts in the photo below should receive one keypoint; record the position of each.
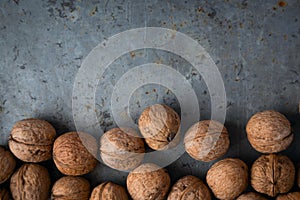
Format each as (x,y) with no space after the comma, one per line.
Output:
(75,154)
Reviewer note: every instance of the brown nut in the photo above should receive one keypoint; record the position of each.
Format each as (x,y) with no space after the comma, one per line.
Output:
(228,178)
(272,174)
(71,188)
(122,149)
(299,175)
(71,156)
(30,182)
(206,140)
(148,182)
(4,194)
(109,191)
(189,188)
(251,196)
(289,196)
(7,164)
(159,124)
(31,140)
(269,132)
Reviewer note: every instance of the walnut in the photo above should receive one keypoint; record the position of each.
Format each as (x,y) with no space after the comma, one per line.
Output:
(109,191)
(251,196)
(30,182)
(122,149)
(148,182)
(289,196)
(272,174)
(299,175)
(4,194)
(206,140)
(159,124)
(228,178)
(71,156)
(7,164)
(31,140)
(189,188)
(269,132)
(71,188)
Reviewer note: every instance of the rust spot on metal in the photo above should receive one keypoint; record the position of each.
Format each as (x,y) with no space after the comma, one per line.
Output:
(282,3)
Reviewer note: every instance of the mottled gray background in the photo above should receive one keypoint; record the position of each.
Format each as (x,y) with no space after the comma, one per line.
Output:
(255,45)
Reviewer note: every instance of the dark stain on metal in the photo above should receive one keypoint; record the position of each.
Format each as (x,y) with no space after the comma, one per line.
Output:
(212,13)
(16,2)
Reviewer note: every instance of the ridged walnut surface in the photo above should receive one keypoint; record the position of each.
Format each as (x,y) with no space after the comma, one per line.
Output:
(4,194)
(269,132)
(71,188)
(159,124)
(289,196)
(71,156)
(299,175)
(148,182)
(189,188)
(251,196)
(206,140)
(7,164)
(272,174)
(30,182)
(228,178)
(31,140)
(109,191)
(122,149)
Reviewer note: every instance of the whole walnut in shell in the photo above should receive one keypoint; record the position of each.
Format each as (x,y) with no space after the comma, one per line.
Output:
(159,124)
(272,174)
(206,140)
(269,132)
(189,188)
(299,175)
(31,140)
(109,191)
(148,182)
(7,164)
(122,148)
(251,196)
(4,194)
(228,178)
(30,182)
(71,156)
(289,196)
(71,188)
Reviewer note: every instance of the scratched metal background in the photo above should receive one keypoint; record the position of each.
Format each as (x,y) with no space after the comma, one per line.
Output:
(255,45)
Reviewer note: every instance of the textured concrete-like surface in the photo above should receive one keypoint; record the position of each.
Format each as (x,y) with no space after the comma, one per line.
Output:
(255,45)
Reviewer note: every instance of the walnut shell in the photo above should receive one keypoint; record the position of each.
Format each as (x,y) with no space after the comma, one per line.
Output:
(7,164)
(30,182)
(71,188)
(148,182)
(206,140)
(109,191)
(272,174)
(71,156)
(31,140)
(251,196)
(289,196)
(189,188)
(269,132)
(228,178)
(4,194)
(299,175)
(159,124)
(122,149)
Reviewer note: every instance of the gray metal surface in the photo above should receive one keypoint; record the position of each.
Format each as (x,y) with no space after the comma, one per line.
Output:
(255,45)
